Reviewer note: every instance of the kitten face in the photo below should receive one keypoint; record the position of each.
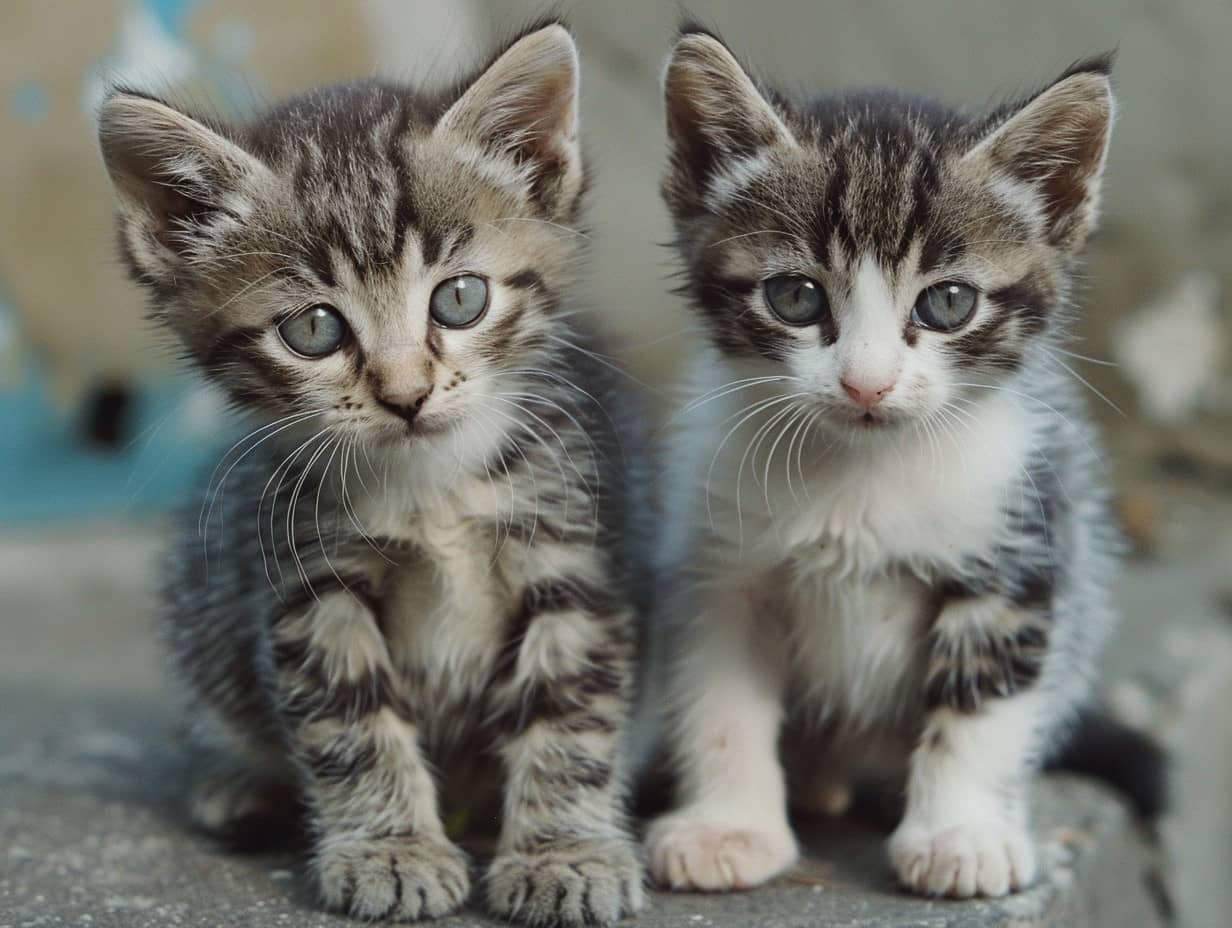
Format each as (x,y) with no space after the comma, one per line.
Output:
(385,259)
(885,255)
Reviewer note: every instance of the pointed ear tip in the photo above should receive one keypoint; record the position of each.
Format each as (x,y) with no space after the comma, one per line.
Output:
(116,111)
(1100,63)
(554,38)
(120,103)
(1097,87)
(115,100)
(696,42)
(696,51)
(1094,73)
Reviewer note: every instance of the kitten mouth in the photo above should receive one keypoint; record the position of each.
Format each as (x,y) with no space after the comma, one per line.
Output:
(420,429)
(424,428)
(870,422)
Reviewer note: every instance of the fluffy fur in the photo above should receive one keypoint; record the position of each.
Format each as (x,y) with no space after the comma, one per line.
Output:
(893,548)
(412,585)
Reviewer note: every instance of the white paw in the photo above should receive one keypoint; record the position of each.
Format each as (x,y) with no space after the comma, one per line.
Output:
(689,852)
(981,859)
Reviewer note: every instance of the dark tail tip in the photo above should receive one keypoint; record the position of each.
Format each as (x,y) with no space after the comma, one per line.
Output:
(1128,760)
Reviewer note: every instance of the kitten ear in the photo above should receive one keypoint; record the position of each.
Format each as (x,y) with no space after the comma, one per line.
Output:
(715,113)
(525,106)
(1057,143)
(172,175)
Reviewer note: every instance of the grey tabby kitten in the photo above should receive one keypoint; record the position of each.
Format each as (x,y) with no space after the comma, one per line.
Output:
(896,548)
(417,585)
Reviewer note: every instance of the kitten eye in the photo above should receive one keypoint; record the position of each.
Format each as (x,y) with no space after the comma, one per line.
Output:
(459,301)
(796,300)
(945,306)
(314,333)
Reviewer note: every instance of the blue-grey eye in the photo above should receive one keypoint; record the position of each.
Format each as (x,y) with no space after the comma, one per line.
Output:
(314,333)
(945,307)
(795,299)
(459,301)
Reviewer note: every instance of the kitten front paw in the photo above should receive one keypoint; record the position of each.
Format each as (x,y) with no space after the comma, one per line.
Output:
(981,859)
(400,878)
(689,853)
(567,883)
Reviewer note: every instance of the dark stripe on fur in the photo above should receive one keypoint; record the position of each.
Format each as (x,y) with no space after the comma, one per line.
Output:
(989,665)
(1027,302)
(526,279)
(737,328)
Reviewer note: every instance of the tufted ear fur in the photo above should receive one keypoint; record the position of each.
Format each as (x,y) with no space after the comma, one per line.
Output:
(525,106)
(174,176)
(1056,143)
(715,113)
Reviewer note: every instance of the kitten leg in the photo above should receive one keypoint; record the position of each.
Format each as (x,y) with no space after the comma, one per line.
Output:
(565,856)
(243,790)
(246,806)
(965,830)
(731,831)
(380,848)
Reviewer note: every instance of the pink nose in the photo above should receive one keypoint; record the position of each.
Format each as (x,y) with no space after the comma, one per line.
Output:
(866,395)
(406,405)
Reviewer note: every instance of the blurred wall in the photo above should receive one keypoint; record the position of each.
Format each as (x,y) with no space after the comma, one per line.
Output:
(58,267)
(1166,235)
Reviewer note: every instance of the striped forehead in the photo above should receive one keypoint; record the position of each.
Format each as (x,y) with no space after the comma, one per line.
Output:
(375,211)
(854,192)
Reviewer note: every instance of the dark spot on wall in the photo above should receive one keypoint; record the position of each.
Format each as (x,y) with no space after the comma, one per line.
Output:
(107,415)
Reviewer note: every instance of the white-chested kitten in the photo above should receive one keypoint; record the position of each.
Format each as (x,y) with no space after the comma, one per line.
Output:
(894,548)
(418,588)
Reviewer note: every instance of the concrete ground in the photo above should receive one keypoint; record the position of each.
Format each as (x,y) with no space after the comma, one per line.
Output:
(91,772)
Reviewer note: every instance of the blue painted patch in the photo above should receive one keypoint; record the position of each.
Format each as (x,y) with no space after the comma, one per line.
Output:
(31,102)
(47,473)
(172,15)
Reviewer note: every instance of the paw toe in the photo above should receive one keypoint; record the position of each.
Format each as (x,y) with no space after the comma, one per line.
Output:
(404,879)
(692,854)
(570,883)
(963,861)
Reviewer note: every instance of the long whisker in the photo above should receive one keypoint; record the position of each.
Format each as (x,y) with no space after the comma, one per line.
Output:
(283,468)
(203,518)
(732,238)
(316,512)
(606,362)
(1050,408)
(1086,383)
(545,222)
(754,409)
(796,414)
(291,541)
(734,386)
(1087,358)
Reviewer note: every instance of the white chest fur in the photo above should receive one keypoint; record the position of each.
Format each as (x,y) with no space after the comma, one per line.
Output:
(856,532)
(445,603)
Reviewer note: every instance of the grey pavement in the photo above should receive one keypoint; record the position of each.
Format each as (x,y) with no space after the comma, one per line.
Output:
(91,770)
